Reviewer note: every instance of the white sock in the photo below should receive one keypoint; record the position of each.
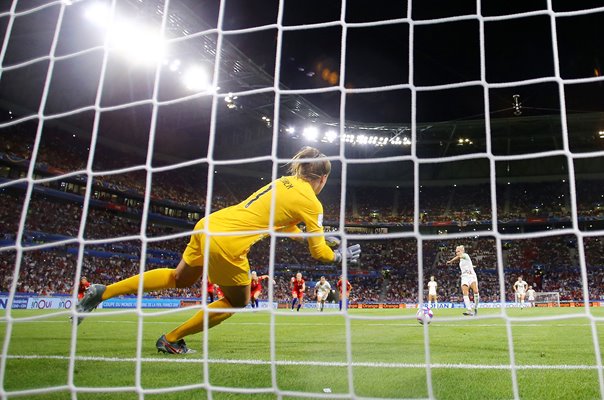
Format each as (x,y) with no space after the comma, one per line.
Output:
(466,300)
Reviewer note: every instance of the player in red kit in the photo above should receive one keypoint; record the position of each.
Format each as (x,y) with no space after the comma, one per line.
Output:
(256,288)
(344,296)
(82,287)
(219,293)
(298,288)
(210,290)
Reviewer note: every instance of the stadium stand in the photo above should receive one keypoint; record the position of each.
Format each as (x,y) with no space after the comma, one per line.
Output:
(387,271)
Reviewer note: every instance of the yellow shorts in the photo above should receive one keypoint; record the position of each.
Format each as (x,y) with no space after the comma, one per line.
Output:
(223,269)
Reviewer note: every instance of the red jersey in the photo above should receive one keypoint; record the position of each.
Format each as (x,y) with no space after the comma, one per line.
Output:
(82,287)
(256,285)
(210,288)
(348,285)
(298,285)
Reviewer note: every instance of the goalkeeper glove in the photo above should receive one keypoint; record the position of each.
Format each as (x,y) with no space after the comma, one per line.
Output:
(332,241)
(352,253)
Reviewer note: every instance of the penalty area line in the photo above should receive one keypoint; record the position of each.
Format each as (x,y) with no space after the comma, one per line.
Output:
(177,359)
(411,324)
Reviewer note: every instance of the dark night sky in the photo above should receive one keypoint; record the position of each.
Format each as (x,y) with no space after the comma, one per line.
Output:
(516,49)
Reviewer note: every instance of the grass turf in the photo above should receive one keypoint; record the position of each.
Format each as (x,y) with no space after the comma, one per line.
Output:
(469,357)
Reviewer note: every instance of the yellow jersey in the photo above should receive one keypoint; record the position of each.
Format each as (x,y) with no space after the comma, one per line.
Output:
(295,202)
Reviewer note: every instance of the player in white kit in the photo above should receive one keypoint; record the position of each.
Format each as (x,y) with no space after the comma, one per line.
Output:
(469,280)
(432,299)
(520,287)
(530,296)
(322,289)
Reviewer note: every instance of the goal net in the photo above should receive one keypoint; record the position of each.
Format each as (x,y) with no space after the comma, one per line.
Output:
(547,299)
(124,122)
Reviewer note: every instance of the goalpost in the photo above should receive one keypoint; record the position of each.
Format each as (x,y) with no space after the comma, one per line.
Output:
(19,14)
(547,298)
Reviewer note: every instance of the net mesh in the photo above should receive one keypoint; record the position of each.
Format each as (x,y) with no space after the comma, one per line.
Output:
(21,12)
(547,297)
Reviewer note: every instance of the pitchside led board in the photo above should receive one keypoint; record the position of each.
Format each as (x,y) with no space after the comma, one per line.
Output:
(65,303)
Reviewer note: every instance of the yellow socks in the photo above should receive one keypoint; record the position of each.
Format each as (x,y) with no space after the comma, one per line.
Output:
(195,323)
(161,278)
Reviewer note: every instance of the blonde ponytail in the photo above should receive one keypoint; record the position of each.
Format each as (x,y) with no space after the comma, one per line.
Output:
(303,167)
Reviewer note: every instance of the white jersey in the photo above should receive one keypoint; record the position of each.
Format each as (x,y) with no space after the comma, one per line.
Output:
(432,287)
(323,289)
(466,266)
(520,287)
(531,294)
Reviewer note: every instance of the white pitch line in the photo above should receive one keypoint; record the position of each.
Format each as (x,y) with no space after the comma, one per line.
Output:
(412,323)
(176,359)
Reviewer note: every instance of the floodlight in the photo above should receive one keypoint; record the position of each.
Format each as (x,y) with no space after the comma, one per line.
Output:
(310,133)
(98,14)
(397,141)
(290,130)
(196,78)
(140,44)
(174,65)
(331,135)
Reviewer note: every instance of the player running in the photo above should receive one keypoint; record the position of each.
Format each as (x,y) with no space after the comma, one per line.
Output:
(520,287)
(469,280)
(343,295)
(256,288)
(298,289)
(322,290)
(290,200)
(432,298)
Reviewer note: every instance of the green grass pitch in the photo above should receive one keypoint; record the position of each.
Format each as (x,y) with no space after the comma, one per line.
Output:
(469,357)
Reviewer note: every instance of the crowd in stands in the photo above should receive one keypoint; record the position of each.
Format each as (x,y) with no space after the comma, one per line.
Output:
(186,186)
(387,272)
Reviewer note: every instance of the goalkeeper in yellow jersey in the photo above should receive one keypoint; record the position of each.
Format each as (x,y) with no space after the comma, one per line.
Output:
(232,231)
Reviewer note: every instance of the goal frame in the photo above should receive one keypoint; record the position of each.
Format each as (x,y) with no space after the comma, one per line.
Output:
(542,298)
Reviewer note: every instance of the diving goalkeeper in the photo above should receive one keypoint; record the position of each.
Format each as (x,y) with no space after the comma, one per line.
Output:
(295,202)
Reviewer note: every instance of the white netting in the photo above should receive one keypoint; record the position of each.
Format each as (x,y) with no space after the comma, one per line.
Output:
(166,14)
(547,298)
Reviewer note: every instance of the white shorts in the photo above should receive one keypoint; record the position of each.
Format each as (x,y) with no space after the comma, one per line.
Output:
(531,298)
(322,296)
(469,279)
(431,293)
